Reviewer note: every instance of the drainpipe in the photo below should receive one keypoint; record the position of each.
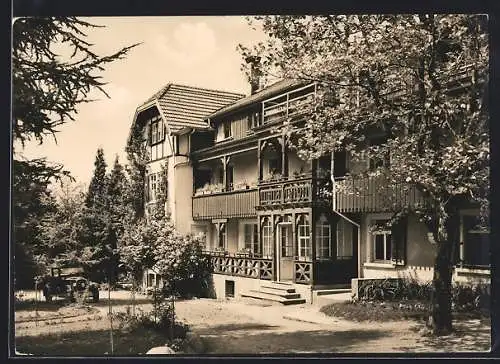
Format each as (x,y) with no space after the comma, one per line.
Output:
(334,208)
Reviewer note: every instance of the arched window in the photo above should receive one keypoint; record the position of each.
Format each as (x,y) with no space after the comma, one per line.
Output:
(303,238)
(267,238)
(323,238)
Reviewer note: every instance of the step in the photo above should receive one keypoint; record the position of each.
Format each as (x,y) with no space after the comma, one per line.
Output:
(274,298)
(277,288)
(279,294)
(332,291)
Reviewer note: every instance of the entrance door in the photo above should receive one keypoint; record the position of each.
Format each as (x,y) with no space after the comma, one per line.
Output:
(284,252)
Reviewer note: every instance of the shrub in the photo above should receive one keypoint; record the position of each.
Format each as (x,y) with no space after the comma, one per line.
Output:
(464,297)
(469,297)
(177,258)
(161,318)
(394,289)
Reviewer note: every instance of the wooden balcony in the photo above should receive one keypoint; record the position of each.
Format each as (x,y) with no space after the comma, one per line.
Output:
(288,105)
(239,203)
(295,192)
(374,194)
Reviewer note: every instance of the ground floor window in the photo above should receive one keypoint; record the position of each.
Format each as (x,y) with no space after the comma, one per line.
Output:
(303,238)
(389,242)
(344,239)
(221,243)
(267,238)
(323,238)
(382,245)
(476,242)
(251,238)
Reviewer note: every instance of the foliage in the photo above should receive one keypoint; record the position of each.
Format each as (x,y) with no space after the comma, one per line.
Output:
(48,87)
(31,200)
(416,82)
(96,194)
(471,297)
(137,157)
(394,289)
(464,297)
(161,318)
(177,258)
(59,233)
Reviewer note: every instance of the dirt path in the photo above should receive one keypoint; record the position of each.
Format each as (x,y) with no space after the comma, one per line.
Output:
(241,328)
(235,327)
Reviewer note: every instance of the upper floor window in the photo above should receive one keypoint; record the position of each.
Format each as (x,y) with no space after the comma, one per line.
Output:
(157,132)
(274,166)
(226,126)
(253,120)
(383,158)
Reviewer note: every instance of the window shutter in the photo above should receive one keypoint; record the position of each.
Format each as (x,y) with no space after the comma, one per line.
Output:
(399,243)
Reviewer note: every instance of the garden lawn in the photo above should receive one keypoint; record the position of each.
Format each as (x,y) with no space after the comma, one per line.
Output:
(91,343)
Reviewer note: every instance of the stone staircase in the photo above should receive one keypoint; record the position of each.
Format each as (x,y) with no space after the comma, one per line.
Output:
(277,293)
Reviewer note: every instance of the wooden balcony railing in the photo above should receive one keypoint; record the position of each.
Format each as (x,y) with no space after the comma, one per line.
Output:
(239,203)
(287,105)
(249,267)
(373,194)
(301,190)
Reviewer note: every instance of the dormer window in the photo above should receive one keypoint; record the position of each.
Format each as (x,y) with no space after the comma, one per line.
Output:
(157,131)
(227,129)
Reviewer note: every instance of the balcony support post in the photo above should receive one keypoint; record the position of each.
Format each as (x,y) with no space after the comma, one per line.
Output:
(284,155)
(259,161)
(312,234)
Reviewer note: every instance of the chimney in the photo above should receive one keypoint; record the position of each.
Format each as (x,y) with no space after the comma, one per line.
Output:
(255,73)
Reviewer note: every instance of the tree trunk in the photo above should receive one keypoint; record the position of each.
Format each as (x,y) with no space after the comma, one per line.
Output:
(441,318)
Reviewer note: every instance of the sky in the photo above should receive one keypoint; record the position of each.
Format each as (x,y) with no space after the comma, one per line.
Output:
(196,51)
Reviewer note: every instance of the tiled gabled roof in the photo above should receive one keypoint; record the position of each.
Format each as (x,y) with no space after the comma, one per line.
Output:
(187,107)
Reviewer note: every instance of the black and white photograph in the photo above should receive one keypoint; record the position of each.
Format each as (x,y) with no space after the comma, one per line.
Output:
(261,185)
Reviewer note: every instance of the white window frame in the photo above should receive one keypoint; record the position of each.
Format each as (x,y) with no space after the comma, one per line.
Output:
(385,234)
(321,238)
(267,238)
(157,130)
(304,248)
